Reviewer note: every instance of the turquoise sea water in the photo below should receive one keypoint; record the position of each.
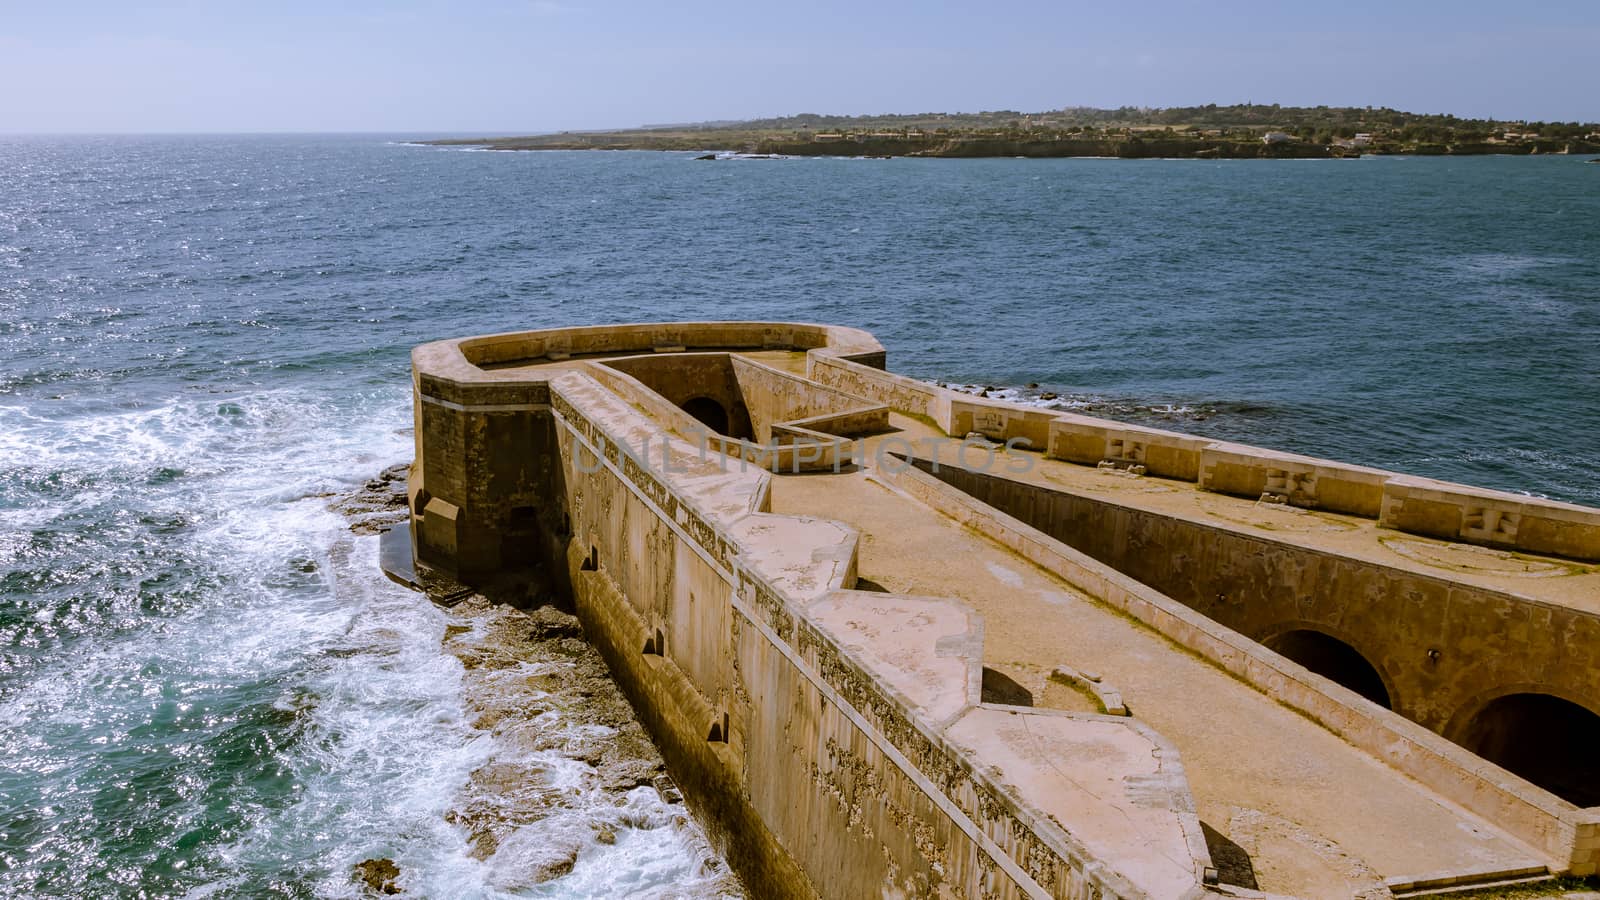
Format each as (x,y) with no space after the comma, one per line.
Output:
(205,687)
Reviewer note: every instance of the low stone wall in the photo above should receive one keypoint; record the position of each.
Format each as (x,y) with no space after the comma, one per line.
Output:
(777,421)
(565,343)
(1028,428)
(778,398)
(1419,506)
(1183,592)
(907,395)
(784,449)
(1472,515)
(1296,480)
(1089,441)
(681,377)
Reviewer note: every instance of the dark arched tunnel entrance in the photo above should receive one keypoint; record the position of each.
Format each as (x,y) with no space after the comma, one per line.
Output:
(709,413)
(1549,741)
(1334,660)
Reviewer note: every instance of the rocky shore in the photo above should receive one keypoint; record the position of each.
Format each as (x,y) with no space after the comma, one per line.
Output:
(570,772)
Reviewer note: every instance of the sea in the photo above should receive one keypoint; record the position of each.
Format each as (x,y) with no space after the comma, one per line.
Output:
(207,689)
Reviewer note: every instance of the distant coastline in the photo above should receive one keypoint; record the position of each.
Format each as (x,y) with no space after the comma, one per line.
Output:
(1208,132)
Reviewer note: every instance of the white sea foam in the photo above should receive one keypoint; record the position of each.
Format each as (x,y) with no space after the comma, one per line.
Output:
(376,735)
(1089,403)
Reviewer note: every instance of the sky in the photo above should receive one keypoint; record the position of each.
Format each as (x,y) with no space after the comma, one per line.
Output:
(525,66)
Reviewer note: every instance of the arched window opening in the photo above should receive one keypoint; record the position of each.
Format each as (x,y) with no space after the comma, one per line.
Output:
(1545,739)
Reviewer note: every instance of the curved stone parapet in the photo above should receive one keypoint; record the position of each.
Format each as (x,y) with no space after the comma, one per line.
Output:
(480,462)
(464,359)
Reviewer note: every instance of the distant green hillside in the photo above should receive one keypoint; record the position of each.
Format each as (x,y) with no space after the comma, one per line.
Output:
(1307,121)
(1236,131)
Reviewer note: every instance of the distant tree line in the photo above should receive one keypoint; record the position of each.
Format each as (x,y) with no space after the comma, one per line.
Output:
(1243,130)
(1320,124)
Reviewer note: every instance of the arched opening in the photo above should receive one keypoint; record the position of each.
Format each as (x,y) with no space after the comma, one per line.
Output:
(708,412)
(1334,660)
(1547,740)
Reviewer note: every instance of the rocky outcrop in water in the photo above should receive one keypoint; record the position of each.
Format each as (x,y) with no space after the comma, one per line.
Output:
(379,876)
(379,503)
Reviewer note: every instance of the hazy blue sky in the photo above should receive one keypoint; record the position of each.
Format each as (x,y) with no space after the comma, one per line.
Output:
(538,65)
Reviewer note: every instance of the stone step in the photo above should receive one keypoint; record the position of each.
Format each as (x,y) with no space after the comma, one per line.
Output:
(1443,884)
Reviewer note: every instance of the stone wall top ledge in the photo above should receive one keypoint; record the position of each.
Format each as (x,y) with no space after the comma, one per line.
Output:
(1451,492)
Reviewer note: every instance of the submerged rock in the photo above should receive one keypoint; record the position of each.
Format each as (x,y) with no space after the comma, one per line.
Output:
(534,855)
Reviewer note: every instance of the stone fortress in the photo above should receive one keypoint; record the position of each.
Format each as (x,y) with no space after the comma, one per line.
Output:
(899,641)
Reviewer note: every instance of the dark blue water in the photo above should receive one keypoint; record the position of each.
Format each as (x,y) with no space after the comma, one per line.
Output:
(203,685)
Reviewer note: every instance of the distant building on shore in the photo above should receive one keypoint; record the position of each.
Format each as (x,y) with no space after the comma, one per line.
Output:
(1277,137)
